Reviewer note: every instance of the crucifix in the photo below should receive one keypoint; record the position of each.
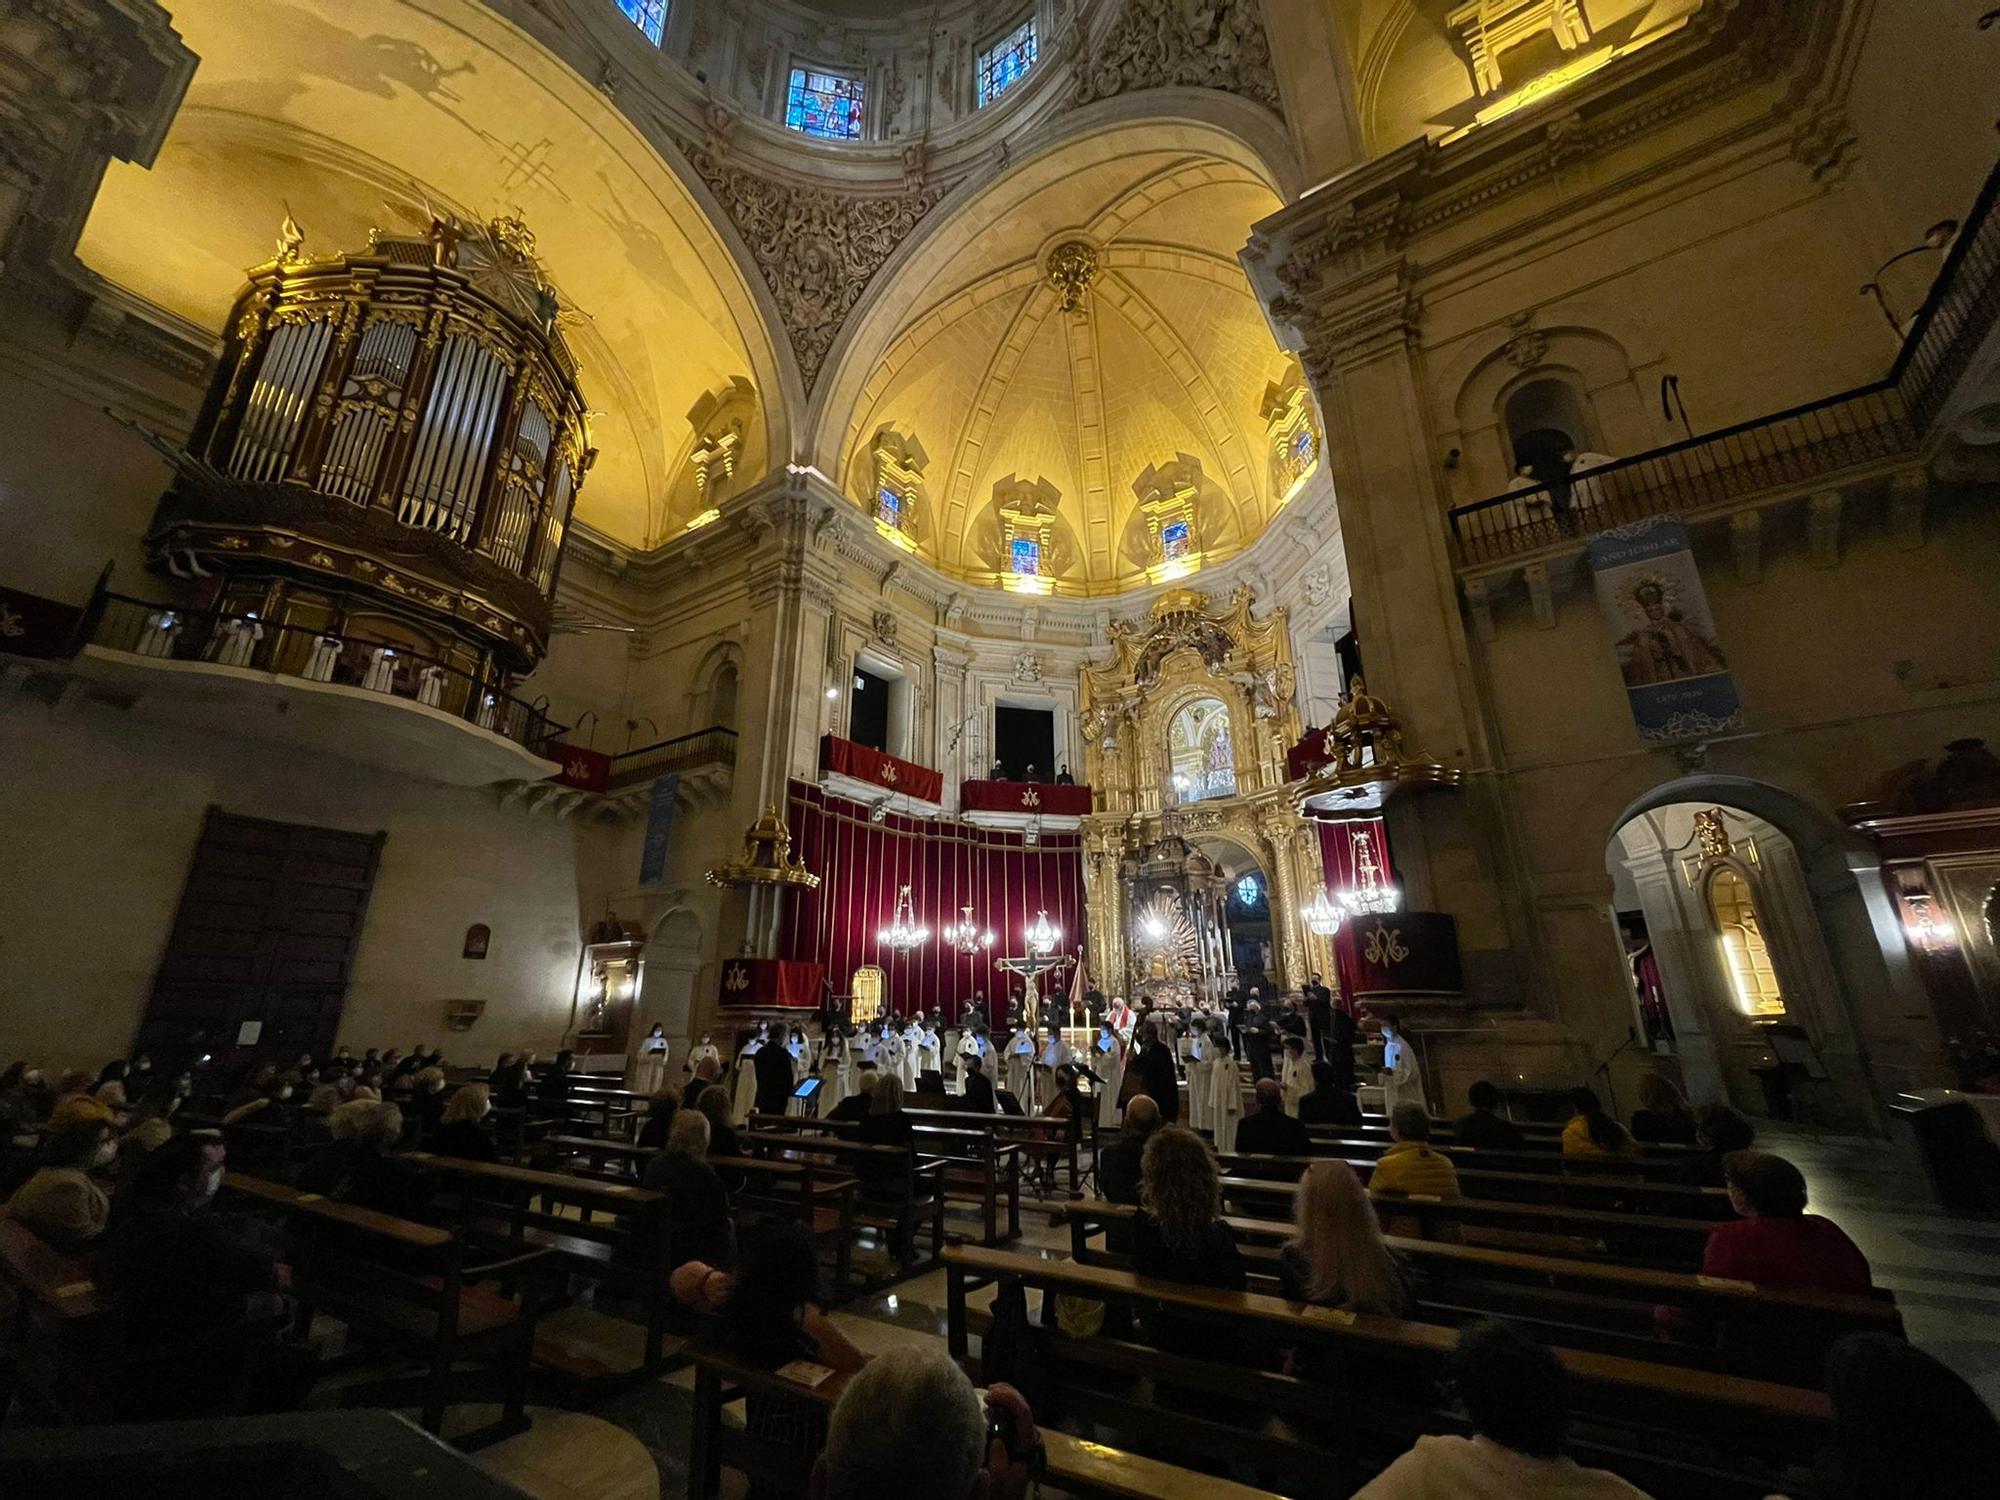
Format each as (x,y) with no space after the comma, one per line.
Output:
(1031,968)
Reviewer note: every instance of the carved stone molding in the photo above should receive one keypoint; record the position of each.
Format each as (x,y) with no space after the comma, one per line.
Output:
(817,249)
(1169,43)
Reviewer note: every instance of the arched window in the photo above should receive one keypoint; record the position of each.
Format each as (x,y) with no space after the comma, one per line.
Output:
(722,696)
(1201,758)
(1545,419)
(1732,907)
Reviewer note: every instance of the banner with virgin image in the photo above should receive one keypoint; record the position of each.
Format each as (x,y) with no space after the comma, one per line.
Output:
(1676,677)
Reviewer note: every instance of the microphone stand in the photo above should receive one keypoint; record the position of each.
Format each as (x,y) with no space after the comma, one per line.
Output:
(1631,1039)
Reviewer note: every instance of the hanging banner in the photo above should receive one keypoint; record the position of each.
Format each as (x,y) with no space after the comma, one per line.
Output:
(586,770)
(662,807)
(1676,677)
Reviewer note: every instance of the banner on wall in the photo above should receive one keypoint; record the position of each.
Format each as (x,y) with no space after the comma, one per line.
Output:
(662,807)
(1677,680)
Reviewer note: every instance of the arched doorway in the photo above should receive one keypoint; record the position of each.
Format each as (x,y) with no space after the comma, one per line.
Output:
(667,983)
(1729,969)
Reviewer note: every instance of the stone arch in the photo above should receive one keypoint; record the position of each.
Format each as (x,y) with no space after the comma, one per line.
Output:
(1840,943)
(720,658)
(1604,355)
(667,982)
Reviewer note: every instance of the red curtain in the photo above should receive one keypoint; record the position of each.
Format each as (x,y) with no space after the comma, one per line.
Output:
(866,764)
(1337,853)
(1024,796)
(947,865)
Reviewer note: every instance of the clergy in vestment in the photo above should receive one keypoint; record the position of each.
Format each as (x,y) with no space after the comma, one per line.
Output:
(1107,1061)
(1225,1095)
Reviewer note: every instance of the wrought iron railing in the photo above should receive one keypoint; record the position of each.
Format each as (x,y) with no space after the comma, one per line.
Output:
(1803,445)
(1800,446)
(713,746)
(167,633)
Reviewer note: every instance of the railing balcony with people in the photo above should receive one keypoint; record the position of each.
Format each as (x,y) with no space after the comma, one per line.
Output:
(1815,444)
(166,633)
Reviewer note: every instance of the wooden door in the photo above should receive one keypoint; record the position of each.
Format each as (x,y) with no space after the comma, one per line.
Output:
(266,932)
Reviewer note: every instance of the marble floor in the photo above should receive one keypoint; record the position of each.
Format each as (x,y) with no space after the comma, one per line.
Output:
(1945,1271)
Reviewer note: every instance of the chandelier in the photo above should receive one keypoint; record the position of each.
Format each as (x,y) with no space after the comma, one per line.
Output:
(903,934)
(1043,936)
(966,935)
(1321,915)
(1369,896)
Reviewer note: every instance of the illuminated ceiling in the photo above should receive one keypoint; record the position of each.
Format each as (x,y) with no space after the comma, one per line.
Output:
(335,107)
(969,352)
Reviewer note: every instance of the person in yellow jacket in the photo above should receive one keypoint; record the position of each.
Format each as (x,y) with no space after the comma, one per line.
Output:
(1410,1166)
(1591,1132)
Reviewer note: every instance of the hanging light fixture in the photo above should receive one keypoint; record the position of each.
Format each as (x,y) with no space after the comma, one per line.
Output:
(1043,936)
(966,935)
(1371,895)
(1321,915)
(903,933)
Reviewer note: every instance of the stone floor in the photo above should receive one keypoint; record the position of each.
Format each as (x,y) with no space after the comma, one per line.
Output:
(1944,1270)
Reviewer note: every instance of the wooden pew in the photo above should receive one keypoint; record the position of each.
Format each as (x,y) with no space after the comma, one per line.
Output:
(978,1168)
(1679,1434)
(1670,1198)
(1603,1234)
(1768,1333)
(1086,1470)
(1038,1135)
(405,1286)
(628,1249)
(1360,1145)
(917,1189)
(820,1198)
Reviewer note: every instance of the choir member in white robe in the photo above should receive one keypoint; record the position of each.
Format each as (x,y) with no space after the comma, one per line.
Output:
(1225,1095)
(801,1051)
(836,1070)
(1055,1053)
(929,1051)
(1401,1082)
(1018,1067)
(1107,1061)
(1200,1058)
(970,1045)
(913,1041)
(649,1068)
(744,1099)
(1295,1077)
(236,641)
(704,1051)
(889,1054)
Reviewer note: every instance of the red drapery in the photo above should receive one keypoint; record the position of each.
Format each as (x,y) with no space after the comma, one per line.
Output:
(947,865)
(1339,859)
(769,981)
(1024,796)
(866,764)
(1308,755)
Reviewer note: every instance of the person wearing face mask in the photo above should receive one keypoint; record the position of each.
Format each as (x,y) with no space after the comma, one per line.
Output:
(426,1100)
(266,1107)
(462,1130)
(178,1272)
(63,1202)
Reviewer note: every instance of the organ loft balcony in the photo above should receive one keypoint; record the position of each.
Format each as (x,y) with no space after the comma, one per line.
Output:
(360,547)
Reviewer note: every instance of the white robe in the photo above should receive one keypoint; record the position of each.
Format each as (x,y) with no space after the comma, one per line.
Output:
(836,1073)
(1052,1056)
(1201,1059)
(929,1051)
(1296,1077)
(1401,1082)
(1110,1067)
(1019,1069)
(704,1051)
(911,1042)
(1225,1093)
(744,1100)
(969,1047)
(649,1069)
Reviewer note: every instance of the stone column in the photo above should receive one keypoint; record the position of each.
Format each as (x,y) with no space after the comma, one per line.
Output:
(1280,829)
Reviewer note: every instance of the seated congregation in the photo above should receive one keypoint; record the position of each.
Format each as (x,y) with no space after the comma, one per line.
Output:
(1330,1302)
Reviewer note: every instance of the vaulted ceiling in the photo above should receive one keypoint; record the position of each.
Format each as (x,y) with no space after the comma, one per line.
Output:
(1166,355)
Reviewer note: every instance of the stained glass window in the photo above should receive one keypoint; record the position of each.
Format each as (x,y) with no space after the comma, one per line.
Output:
(1246,890)
(1302,446)
(1006,62)
(1174,540)
(1027,555)
(650,16)
(824,104)
(889,507)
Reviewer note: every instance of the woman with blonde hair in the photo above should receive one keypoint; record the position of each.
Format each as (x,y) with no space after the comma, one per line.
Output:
(461,1132)
(1338,1257)
(1178,1234)
(1663,1116)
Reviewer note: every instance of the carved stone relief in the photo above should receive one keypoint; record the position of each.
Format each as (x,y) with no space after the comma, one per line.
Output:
(1209,44)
